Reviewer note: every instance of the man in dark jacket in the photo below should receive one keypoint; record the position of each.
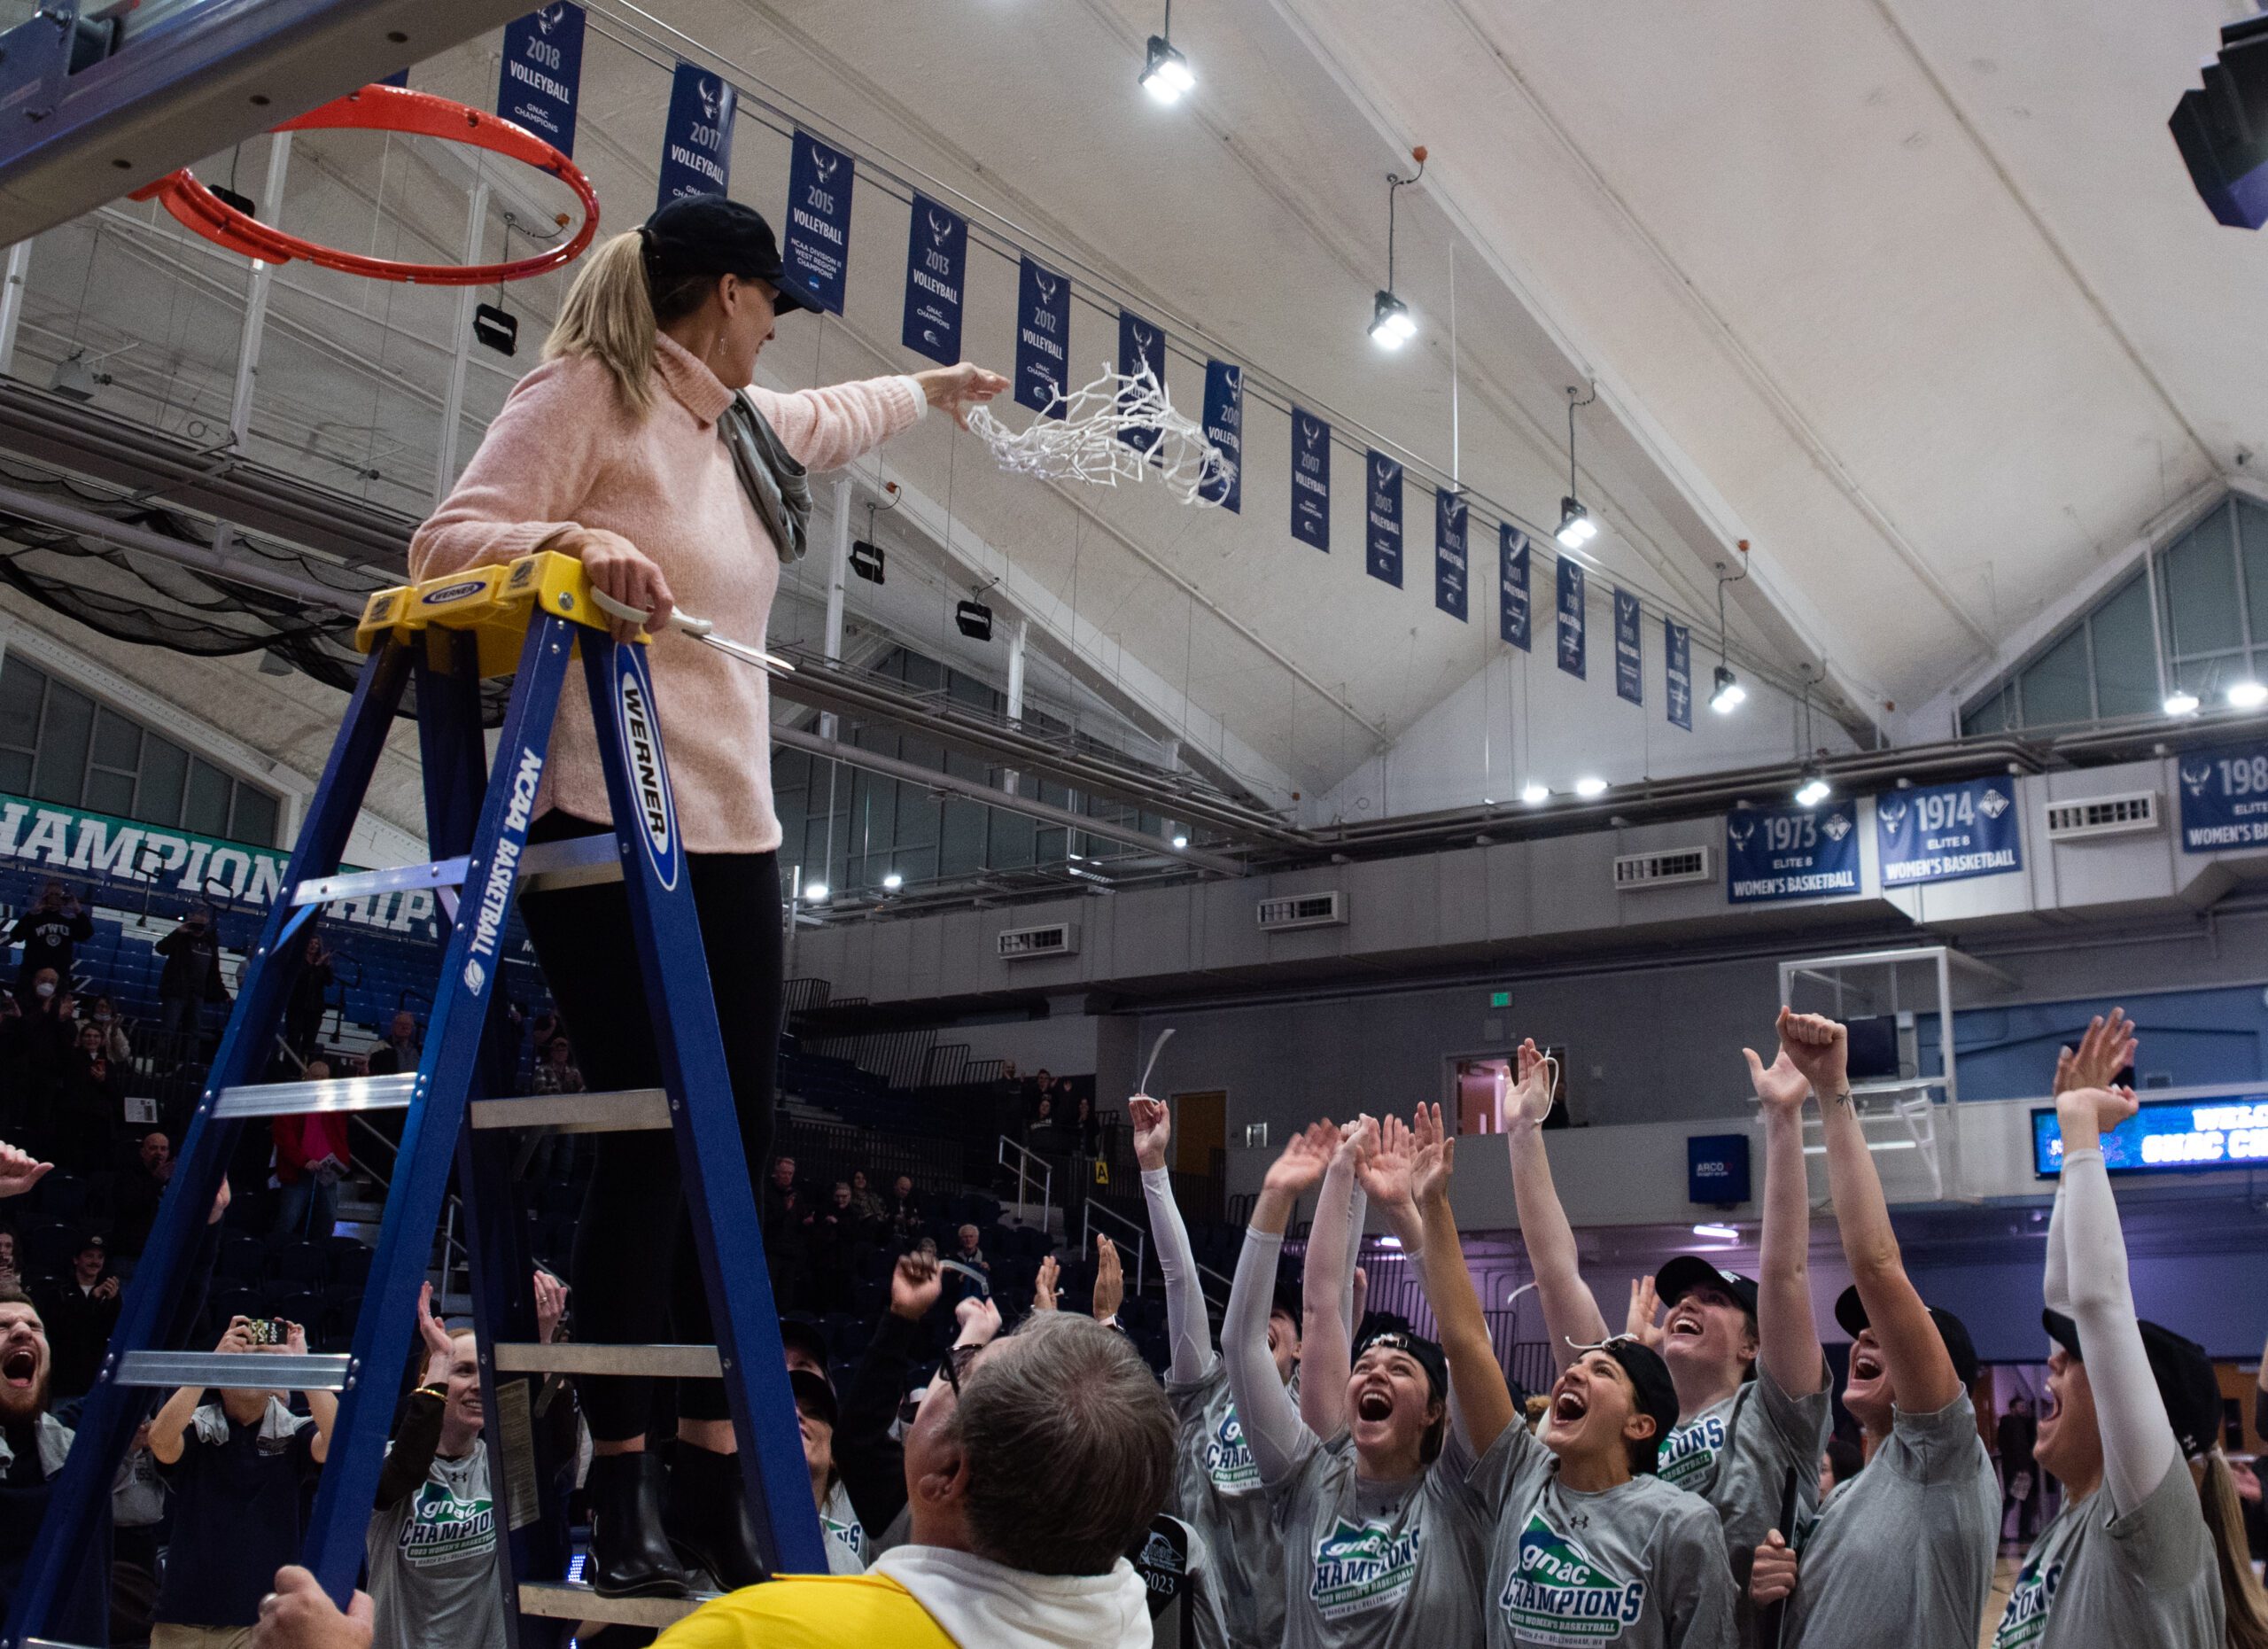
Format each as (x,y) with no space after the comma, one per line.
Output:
(192,975)
(51,933)
(80,1310)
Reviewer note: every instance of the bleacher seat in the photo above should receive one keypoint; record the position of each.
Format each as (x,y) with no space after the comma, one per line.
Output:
(348,1261)
(242,1258)
(303,1263)
(49,1248)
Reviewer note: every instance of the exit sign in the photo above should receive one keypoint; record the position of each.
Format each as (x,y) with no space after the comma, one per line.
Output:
(1500,998)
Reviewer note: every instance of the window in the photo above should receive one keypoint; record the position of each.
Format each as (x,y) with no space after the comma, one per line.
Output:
(56,745)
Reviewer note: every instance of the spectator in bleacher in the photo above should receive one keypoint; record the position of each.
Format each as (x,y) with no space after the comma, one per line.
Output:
(1088,1126)
(191,979)
(400,1051)
(836,1234)
(971,1254)
(556,1071)
(867,1202)
(90,1104)
(311,1157)
(48,1037)
(80,1310)
(51,933)
(10,1269)
(904,1210)
(103,1016)
(310,999)
(135,1191)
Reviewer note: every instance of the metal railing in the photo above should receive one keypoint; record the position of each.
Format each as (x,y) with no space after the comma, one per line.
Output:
(1094,1207)
(1024,1163)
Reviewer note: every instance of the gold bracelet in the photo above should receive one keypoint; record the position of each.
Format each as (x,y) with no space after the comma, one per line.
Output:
(434,1389)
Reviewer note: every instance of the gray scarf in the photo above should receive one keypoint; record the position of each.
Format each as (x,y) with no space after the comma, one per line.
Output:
(777,485)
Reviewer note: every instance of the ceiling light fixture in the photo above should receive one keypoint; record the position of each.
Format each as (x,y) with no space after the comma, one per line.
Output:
(893,881)
(1576,527)
(1728,695)
(1589,786)
(2181,702)
(1392,324)
(1165,75)
(1814,789)
(815,893)
(2247,694)
(1723,1234)
(1535,793)
(1181,841)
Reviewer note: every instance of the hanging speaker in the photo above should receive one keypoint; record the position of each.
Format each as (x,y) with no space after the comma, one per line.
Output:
(974,620)
(498,328)
(866,561)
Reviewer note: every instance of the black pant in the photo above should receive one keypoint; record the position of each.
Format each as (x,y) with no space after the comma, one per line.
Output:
(636,1277)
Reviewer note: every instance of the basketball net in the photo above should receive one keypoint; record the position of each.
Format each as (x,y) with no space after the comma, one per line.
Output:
(1085,440)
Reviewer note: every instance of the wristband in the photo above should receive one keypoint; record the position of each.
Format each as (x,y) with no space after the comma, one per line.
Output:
(434,1389)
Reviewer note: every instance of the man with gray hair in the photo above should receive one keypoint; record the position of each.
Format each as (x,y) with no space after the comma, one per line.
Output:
(1033,1465)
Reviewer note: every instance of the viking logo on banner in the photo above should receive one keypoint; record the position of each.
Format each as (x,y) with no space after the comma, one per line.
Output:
(1310,480)
(1140,344)
(697,142)
(1570,617)
(817,250)
(1512,574)
(1629,663)
(936,261)
(1043,337)
(1224,428)
(1791,853)
(1382,519)
(1948,832)
(2224,799)
(543,70)
(1450,565)
(1677,655)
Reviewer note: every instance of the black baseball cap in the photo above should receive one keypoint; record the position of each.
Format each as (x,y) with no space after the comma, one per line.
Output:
(1688,1271)
(1656,1392)
(2186,1383)
(1850,1311)
(800,1332)
(1290,1302)
(814,1394)
(713,235)
(1429,1356)
(93,1242)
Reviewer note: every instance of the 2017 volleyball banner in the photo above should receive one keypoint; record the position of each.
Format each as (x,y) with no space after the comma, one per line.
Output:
(1043,337)
(2224,799)
(697,136)
(1677,659)
(1572,620)
(1382,518)
(1310,480)
(542,73)
(1629,662)
(1224,423)
(1450,567)
(936,268)
(816,249)
(1140,344)
(1512,621)
(1791,853)
(1948,832)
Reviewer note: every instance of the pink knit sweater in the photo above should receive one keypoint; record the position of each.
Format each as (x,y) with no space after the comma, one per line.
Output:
(564,452)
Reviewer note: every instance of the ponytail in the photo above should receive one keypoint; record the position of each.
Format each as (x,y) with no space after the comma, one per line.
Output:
(2242,1602)
(613,310)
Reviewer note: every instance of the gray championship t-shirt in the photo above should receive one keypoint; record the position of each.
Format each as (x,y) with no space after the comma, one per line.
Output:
(2092,1580)
(1901,1556)
(1379,1565)
(1216,1491)
(1639,1566)
(846,1536)
(432,1561)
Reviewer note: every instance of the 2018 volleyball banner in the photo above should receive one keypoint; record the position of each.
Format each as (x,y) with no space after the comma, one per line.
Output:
(1677,671)
(937,268)
(2224,798)
(1043,337)
(1571,618)
(1629,662)
(542,73)
(1512,621)
(1449,564)
(1948,832)
(817,247)
(1791,853)
(1224,423)
(1382,518)
(1310,479)
(1141,344)
(697,136)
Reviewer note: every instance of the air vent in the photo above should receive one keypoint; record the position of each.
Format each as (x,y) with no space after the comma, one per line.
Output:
(1666,869)
(1303,910)
(2103,815)
(1057,939)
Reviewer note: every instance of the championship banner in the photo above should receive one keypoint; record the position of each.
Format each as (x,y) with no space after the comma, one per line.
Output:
(1140,344)
(1310,480)
(1629,663)
(1224,424)
(2224,799)
(697,137)
(937,263)
(1948,832)
(1570,617)
(1677,655)
(543,73)
(1791,853)
(1382,519)
(1043,337)
(1450,563)
(1511,576)
(817,250)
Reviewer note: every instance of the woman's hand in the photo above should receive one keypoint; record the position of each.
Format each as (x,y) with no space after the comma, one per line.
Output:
(2084,1115)
(1434,1158)
(1153,1131)
(1305,1154)
(1645,1304)
(620,569)
(550,1305)
(1528,1101)
(2105,1049)
(1386,1154)
(1042,1287)
(957,389)
(440,1347)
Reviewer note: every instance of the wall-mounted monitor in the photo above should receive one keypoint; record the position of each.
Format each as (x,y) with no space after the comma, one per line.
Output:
(2168,1137)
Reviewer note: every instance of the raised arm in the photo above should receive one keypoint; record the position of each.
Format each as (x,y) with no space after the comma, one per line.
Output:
(1272,1428)
(2105,1049)
(1921,1372)
(167,1426)
(1188,1332)
(1571,1312)
(1480,1401)
(1326,1351)
(1787,1335)
(827,428)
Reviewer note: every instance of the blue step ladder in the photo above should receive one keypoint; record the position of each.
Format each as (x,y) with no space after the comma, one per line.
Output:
(528,619)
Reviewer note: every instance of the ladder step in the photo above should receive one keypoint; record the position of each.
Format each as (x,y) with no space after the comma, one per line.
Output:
(361,884)
(255,1371)
(555,1601)
(656,1362)
(333,1093)
(630,1111)
(575,861)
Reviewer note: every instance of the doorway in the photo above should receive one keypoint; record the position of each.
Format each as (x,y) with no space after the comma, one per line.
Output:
(1200,1151)
(1472,1088)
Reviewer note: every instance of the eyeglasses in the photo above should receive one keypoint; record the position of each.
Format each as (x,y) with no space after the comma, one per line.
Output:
(956,1364)
(1607,1345)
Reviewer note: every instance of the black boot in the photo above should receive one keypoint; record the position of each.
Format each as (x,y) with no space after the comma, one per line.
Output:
(630,1556)
(709,1521)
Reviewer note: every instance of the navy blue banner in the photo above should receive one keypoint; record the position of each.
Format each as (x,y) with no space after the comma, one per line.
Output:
(817,247)
(1043,338)
(936,264)
(1449,564)
(2224,799)
(1791,853)
(1140,344)
(1948,832)
(400,77)
(1677,656)
(1382,519)
(1310,479)
(1511,576)
(543,73)
(697,138)
(1224,424)
(1629,663)
(1570,617)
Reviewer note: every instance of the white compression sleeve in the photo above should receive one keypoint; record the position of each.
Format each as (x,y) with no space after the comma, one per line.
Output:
(1187,1329)
(2056,1284)
(1279,1439)
(2138,1442)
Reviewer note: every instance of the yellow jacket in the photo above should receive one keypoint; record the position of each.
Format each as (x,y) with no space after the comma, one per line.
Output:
(811,1612)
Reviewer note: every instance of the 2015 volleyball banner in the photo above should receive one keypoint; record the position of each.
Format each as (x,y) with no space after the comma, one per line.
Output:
(542,73)
(1791,853)
(1571,618)
(2224,798)
(817,247)
(1449,564)
(1310,480)
(1629,662)
(1382,518)
(1043,337)
(1677,670)
(697,136)
(1948,832)
(1512,559)
(1224,423)
(936,268)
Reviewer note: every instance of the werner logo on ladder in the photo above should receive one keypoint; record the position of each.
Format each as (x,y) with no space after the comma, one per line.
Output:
(532,619)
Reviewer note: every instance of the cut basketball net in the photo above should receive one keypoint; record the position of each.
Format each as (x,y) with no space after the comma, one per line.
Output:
(1082,436)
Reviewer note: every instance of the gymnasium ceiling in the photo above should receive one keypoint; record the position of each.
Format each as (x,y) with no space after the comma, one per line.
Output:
(1914,295)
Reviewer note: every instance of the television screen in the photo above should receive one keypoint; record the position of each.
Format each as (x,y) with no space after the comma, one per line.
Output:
(2169,1136)
(1874,1048)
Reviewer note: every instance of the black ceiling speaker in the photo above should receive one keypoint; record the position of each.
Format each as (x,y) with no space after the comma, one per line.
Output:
(974,620)
(498,328)
(866,561)
(2222,129)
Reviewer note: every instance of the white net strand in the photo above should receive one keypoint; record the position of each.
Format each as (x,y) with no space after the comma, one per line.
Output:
(1084,443)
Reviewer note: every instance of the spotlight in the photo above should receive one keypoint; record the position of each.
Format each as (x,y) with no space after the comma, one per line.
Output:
(866,561)
(1535,793)
(1729,694)
(2181,702)
(75,377)
(893,881)
(1391,326)
(974,620)
(2247,694)
(1181,841)
(814,892)
(1576,527)
(1589,786)
(1165,75)
(1813,790)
